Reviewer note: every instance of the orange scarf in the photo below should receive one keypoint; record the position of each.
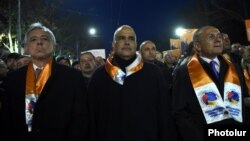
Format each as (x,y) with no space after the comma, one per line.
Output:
(35,85)
(213,105)
(247,80)
(197,73)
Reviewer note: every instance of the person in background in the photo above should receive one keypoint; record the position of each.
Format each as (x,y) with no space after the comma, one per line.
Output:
(44,100)
(130,103)
(99,60)
(159,56)
(63,60)
(12,61)
(229,51)
(23,60)
(245,63)
(148,52)
(76,65)
(187,55)
(4,52)
(170,61)
(87,65)
(204,92)
(237,48)
(3,74)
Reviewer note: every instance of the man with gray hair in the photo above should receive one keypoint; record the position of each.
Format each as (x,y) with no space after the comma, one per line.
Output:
(44,100)
(129,104)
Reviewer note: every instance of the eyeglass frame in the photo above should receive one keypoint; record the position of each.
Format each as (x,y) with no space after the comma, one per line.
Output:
(212,37)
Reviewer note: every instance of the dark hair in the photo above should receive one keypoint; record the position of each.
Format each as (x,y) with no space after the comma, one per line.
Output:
(59,58)
(13,56)
(75,63)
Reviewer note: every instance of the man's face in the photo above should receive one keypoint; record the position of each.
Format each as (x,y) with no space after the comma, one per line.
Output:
(39,45)
(12,64)
(210,44)
(226,43)
(23,62)
(148,51)
(87,63)
(169,59)
(125,43)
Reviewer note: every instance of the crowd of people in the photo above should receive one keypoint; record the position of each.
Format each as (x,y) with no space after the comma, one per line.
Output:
(130,96)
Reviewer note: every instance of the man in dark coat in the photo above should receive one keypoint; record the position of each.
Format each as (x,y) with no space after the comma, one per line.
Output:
(50,105)
(202,97)
(130,101)
(148,53)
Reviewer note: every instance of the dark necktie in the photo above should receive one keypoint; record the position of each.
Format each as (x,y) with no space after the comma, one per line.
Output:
(213,64)
(38,71)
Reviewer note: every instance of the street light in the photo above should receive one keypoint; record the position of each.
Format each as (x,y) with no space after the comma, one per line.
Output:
(179,31)
(92,31)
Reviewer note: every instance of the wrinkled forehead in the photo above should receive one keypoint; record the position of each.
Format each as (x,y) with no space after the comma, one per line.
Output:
(125,31)
(149,45)
(38,31)
(210,30)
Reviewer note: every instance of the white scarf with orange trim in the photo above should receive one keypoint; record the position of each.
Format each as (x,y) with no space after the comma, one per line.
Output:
(117,74)
(214,107)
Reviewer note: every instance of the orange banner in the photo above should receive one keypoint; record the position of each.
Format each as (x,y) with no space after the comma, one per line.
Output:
(247,23)
(175,43)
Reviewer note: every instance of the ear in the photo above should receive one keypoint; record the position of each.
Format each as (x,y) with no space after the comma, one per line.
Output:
(26,49)
(113,45)
(197,46)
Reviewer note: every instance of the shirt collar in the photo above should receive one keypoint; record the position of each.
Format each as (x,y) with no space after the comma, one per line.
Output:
(209,60)
(36,67)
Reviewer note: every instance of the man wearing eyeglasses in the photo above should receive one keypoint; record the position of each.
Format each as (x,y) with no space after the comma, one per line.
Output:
(207,91)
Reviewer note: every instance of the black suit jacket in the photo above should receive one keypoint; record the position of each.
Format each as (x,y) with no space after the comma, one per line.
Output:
(60,113)
(135,111)
(186,108)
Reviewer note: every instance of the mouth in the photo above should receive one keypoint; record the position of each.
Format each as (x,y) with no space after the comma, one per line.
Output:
(217,44)
(126,48)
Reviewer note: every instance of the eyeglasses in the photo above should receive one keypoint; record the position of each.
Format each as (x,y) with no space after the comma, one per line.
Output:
(212,36)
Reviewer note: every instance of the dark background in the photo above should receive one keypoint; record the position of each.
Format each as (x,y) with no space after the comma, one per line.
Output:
(154,20)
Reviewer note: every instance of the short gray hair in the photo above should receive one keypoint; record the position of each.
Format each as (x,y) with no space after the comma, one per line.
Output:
(120,28)
(38,25)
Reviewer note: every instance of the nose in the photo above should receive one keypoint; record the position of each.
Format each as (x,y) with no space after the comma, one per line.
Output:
(39,41)
(126,42)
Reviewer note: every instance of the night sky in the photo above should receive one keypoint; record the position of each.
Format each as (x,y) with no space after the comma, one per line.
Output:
(149,18)
(157,20)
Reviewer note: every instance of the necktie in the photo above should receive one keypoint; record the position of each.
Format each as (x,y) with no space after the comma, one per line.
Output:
(38,71)
(213,64)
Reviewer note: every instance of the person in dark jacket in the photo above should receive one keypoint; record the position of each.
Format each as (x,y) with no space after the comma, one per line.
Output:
(130,103)
(46,105)
(207,91)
